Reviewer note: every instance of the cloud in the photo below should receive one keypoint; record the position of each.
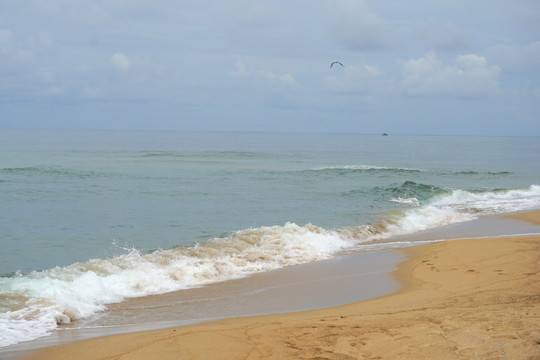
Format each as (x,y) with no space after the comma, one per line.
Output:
(240,70)
(90,92)
(285,79)
(356,27)
(517,58)
(15,52)
(55,91)
(266,27)
(120,61)
(262,75)
(79,52)
(355,79)
(526,13)
(469,76)
(5,36)
(441,37)
(76,12)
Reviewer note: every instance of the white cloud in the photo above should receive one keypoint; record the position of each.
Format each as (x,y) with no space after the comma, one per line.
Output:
(287,79)
(120,61)
(266,27)
(20,56)
(355,79)
(441,37)
(77,12)
(525,12)
(240,70)
(5,36)
(262,75)
(469,76)
(518,58)
(55,91)
(356,27)
(13,52)
(80,50)
(471,61)
(90,92)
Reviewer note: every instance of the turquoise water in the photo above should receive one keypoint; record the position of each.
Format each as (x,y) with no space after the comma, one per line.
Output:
(171,210)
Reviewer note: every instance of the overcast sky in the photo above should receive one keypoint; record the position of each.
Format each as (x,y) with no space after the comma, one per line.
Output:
(409,67)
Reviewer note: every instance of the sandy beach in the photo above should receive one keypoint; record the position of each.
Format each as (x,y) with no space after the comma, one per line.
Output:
(460,299)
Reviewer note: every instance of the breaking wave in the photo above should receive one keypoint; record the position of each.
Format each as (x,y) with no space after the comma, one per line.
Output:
(34,304)
(365,168)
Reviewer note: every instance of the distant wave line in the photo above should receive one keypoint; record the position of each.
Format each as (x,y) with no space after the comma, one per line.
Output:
(364,167)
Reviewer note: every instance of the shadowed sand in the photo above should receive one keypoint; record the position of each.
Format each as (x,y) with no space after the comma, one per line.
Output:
(461,299)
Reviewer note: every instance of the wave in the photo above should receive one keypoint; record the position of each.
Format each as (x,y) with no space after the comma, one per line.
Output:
(208,155)
(496,173)
(413,190)
(406,201)
(36,303)
(53,171)
(42,300)
(397,170)
(365,168)
(408,192)
(459,205)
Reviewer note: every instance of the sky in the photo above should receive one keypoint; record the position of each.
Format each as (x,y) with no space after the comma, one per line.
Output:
(447,67)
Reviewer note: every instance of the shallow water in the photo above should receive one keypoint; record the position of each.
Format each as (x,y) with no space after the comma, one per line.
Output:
(92,218)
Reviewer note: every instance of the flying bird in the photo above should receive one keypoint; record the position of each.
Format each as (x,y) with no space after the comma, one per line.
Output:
(335,62)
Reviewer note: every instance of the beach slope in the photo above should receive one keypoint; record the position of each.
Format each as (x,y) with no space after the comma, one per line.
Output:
(460,299)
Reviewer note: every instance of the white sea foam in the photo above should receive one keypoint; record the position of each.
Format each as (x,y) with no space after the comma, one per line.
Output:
(61,295)
(458,206)
(363,167)
(39,301)
(406,201)
(492,202)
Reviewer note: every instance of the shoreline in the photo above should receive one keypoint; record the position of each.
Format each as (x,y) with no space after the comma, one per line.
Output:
(461,298)
(348,278)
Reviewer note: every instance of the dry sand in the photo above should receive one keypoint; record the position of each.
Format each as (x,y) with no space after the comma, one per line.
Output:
(461,299)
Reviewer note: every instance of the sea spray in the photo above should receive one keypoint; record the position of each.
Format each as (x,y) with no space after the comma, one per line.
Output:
(61,295)
(37,302)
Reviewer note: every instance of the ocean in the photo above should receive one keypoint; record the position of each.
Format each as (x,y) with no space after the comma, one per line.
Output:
(93,218)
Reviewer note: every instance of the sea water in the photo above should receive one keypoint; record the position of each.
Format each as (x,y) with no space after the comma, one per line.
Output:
(91,218)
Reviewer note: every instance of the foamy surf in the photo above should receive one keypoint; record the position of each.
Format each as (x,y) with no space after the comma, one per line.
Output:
(45,299)
(365,168)
(36,303)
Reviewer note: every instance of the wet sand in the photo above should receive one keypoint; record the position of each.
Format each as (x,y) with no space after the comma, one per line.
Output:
(469,298)
(341,280)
